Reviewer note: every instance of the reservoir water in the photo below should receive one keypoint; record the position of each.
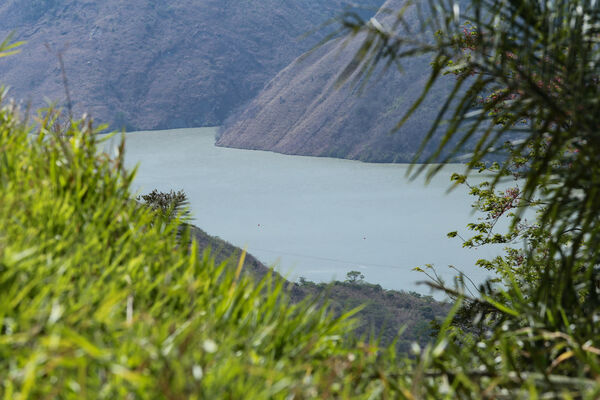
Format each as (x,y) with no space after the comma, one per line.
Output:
(313,217)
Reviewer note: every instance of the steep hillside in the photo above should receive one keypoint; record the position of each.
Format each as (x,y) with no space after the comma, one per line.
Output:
(385,312)
(149,64)
(301,112)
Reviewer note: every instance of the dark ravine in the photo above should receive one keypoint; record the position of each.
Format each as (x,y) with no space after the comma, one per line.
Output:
(302,112)
(386,312)
(144,64)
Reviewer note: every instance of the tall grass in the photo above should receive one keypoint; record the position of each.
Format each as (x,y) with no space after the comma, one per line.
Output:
(99,300)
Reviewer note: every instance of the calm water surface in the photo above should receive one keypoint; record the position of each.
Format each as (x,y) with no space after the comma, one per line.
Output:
(313,217)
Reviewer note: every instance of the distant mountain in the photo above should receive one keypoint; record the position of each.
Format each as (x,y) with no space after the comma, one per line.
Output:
(149,64)
(302,112)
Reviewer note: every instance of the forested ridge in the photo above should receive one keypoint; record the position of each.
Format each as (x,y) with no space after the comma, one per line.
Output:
(386,312)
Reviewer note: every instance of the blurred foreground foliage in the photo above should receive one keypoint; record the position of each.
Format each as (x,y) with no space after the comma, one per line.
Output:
(99,300)
(526,76)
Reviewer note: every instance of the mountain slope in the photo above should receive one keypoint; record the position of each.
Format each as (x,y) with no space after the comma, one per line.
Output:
(302,112)
(153,65)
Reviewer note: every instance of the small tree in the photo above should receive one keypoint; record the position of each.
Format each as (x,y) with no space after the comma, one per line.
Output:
(354,277)
(169,205)
(302,281)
